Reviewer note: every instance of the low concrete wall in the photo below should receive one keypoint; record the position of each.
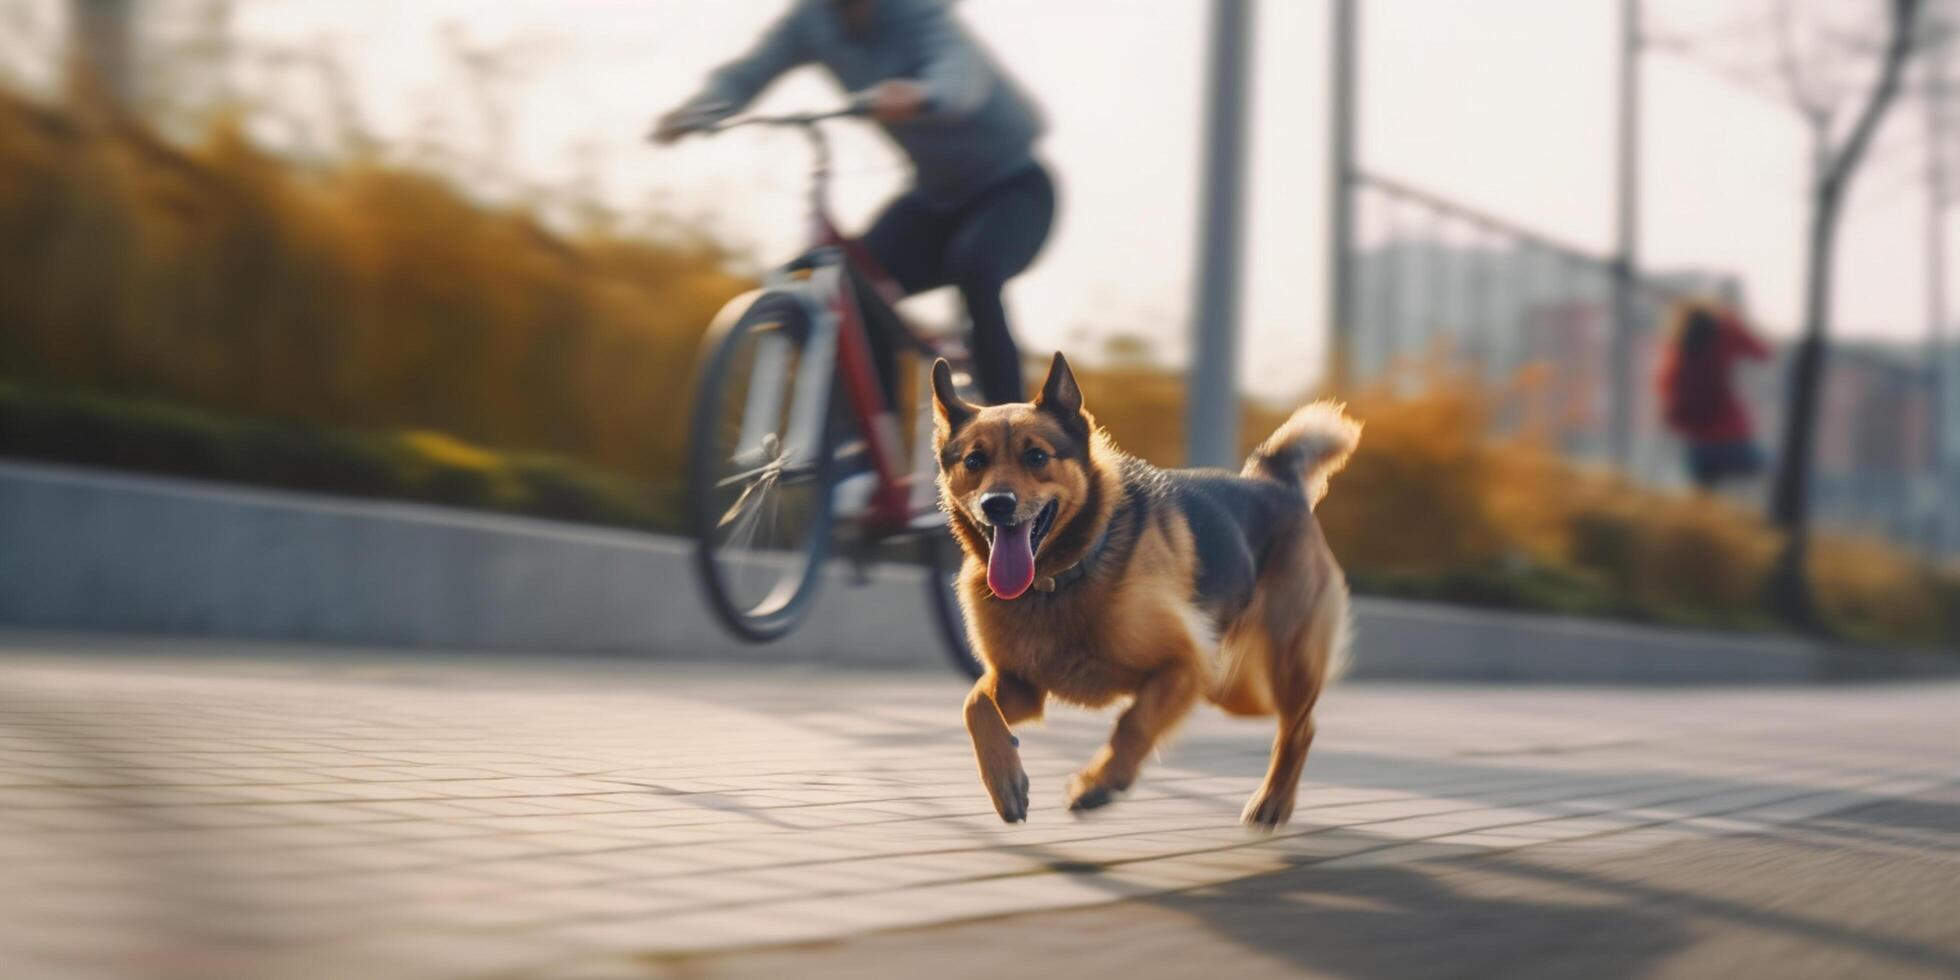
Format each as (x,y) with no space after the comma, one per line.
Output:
(83,550)
(1422,640)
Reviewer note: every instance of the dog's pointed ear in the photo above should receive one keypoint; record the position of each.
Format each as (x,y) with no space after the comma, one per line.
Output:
(948,407)
(1060,394)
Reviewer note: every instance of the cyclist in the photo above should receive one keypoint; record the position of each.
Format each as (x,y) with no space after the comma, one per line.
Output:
(981,205)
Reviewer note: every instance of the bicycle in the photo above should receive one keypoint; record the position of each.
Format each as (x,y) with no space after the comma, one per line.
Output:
(785,389)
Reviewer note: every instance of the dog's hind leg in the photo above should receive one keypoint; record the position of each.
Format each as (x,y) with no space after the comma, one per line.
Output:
(997,701)
(1162,700)
(1272,806)
(1300,670)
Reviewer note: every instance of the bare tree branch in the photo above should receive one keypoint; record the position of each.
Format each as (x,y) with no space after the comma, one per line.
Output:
(1898,51)
(1788,64)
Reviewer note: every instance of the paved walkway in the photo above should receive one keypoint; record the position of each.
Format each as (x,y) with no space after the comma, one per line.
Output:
(1853,895)
(301,816)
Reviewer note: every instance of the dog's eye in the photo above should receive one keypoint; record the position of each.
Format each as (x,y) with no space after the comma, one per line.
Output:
(1035,456)
(976,461)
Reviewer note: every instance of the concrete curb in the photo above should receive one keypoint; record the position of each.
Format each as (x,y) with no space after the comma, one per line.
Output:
(1401,639)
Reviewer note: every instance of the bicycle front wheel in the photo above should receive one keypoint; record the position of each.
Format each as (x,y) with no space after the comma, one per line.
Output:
(759,468)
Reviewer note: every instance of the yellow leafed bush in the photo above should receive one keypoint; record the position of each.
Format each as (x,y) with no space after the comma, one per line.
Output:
(1431,489)
(1871,591)
(1675,552)
(368,297)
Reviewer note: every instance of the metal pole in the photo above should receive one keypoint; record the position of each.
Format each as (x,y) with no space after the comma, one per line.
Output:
(1480,311)
(103,35)
(1212,405)
(1621,370)
(1389,261)
(1436,291)
(1345,37)
(1936,201)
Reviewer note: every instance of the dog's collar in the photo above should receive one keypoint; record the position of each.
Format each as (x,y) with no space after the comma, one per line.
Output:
(1076,572)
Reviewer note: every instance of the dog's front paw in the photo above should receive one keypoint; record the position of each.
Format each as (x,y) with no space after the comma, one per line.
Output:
(1088,792)
(1008,786)
(1268,810)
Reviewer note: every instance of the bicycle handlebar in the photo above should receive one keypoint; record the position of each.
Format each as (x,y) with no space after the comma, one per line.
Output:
(710,124)
(792,119)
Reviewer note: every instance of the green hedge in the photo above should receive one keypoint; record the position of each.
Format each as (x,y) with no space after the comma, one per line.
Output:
(94,429)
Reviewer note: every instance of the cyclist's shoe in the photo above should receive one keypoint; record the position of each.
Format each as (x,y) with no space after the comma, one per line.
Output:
(860,552)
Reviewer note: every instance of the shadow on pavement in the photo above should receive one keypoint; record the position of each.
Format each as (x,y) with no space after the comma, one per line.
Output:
(1408,921)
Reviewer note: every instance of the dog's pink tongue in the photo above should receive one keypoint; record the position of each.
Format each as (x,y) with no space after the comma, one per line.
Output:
(1010,563)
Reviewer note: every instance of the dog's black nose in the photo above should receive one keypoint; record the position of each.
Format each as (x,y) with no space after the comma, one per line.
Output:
(999,507)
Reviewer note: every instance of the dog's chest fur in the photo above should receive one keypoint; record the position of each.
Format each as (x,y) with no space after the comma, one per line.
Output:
(1065,644)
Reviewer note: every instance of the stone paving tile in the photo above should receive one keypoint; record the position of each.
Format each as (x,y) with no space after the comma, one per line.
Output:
(454,819)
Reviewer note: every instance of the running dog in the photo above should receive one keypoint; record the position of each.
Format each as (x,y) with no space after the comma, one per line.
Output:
(1091,575)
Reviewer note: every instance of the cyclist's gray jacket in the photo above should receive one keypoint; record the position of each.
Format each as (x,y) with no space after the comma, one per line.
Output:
(978,127)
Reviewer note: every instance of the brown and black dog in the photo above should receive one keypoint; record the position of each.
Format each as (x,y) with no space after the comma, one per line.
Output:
(1091,575)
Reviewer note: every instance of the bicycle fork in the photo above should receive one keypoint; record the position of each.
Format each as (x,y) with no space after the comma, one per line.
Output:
(809,396)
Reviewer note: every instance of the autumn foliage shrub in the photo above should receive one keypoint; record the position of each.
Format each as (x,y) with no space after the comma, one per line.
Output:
(358,296)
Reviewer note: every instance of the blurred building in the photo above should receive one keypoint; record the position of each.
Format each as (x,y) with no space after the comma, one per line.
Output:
(1875,453)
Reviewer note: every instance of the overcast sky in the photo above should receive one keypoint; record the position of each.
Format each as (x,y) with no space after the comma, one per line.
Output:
(1503,104)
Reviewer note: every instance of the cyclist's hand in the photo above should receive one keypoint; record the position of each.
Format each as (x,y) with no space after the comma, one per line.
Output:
(895,100)
(668,128)
(684,120)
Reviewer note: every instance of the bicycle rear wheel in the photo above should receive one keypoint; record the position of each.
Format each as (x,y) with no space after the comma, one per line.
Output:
(759,468)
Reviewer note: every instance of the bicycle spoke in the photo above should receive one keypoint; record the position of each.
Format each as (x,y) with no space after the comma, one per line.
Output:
(734,509)
(786,475)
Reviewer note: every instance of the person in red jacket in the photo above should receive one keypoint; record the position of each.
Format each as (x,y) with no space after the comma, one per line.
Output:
(1698,393)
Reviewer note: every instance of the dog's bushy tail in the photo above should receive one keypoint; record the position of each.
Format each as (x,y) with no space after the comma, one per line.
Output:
(1307,448)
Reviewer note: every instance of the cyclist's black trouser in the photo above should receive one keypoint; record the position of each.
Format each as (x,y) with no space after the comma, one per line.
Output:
(976,247)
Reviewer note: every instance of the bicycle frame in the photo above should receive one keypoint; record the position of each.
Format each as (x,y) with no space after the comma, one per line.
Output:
(820,277)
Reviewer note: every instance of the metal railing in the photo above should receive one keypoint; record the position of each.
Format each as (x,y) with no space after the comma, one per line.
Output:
(1434,278)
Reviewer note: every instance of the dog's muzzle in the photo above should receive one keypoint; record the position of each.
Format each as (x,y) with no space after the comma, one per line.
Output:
(999,508)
